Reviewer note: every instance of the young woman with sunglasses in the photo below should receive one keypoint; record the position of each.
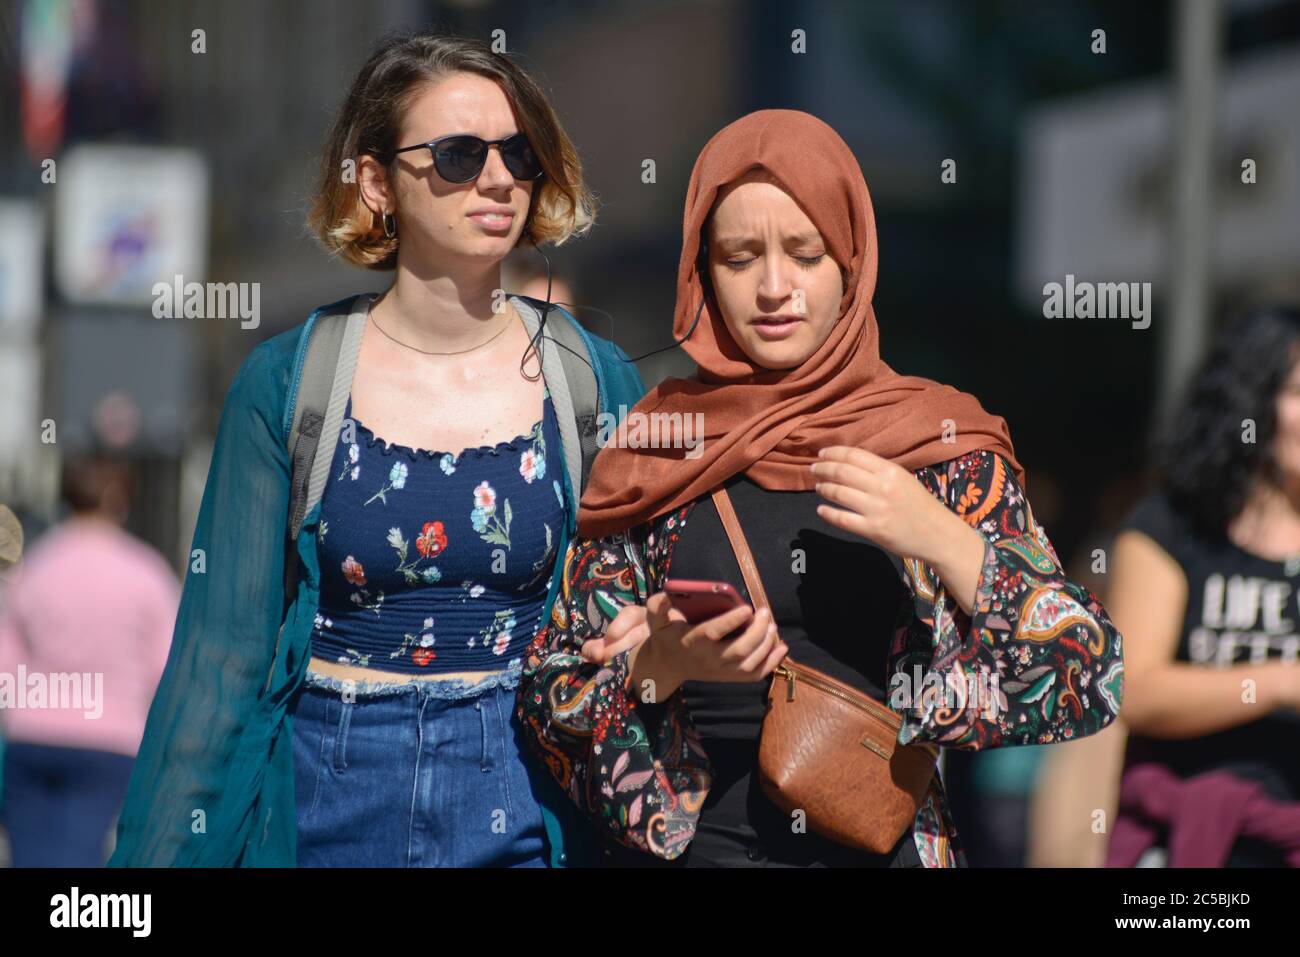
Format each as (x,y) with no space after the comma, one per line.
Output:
(888,523)
(385,736)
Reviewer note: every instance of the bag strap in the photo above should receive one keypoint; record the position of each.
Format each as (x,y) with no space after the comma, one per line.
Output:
(326,379)
(582,387)
(739,545)
(323,386)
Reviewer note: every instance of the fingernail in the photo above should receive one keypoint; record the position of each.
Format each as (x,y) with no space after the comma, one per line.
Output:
(821,453)
(771,630)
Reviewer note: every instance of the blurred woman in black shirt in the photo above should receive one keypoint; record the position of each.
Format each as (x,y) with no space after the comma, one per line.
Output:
(1204,587)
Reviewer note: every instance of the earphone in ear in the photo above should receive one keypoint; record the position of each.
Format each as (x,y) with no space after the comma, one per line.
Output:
(702,266)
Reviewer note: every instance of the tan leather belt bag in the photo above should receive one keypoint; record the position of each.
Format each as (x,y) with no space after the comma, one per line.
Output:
(828,749)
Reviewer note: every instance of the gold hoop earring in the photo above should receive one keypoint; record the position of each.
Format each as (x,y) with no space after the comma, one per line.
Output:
(390,226)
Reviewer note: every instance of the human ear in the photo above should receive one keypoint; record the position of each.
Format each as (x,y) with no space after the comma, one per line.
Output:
(375,186)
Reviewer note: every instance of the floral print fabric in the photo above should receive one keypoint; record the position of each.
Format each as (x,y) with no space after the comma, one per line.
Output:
(433,561)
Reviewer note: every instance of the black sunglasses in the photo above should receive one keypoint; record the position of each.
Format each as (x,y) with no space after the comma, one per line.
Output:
(461,157)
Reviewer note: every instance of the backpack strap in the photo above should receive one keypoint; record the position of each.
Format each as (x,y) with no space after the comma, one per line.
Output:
(323,386)
(326,379)
(578,382)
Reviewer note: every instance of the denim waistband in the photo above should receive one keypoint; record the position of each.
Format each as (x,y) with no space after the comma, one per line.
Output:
(443,688)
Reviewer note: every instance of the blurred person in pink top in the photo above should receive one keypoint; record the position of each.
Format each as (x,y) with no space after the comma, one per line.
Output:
(85,627)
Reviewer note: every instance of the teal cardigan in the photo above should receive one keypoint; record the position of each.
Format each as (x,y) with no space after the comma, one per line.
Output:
(213,783)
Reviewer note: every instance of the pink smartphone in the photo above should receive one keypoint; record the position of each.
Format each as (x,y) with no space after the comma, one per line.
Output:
(701,600)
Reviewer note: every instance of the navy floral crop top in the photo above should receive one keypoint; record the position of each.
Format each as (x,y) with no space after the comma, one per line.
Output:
(434,562)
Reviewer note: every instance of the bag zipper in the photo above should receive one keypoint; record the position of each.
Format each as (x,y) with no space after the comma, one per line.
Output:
(891,720)
(791,677)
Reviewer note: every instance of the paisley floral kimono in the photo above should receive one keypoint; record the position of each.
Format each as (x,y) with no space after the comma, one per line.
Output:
(1041,643)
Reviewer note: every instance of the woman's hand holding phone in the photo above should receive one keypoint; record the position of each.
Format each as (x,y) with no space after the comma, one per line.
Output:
(681,651)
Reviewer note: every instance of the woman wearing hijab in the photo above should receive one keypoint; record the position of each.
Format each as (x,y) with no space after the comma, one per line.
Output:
(888,524)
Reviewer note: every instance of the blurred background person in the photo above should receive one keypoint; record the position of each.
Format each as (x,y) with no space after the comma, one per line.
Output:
(91,608)
(1204,587)
(11,550)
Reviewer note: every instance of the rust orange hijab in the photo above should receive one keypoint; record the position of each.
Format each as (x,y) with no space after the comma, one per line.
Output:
(770,423)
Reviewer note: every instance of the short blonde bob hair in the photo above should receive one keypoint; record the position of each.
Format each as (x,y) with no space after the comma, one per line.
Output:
(369,121)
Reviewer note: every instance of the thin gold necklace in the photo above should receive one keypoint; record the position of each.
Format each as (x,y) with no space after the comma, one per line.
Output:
(427,352)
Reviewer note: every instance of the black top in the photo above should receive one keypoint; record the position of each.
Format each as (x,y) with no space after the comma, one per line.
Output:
(836,598)
(1240,607)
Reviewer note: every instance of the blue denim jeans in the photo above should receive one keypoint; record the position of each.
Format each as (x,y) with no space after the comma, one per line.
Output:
(413,774)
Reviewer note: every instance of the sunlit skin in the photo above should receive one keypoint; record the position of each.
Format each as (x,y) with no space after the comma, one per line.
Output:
(767,259)
(442,297)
